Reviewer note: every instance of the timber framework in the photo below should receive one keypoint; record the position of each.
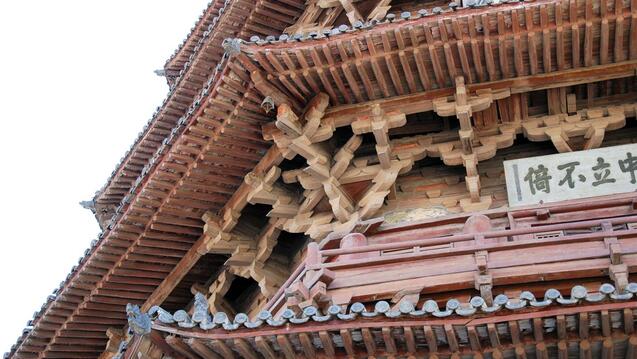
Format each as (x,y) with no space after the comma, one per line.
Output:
(371,178)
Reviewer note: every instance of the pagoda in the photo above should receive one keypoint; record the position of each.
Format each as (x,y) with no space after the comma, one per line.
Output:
(372,179)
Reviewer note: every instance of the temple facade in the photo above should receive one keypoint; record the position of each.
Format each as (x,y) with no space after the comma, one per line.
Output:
(372,178)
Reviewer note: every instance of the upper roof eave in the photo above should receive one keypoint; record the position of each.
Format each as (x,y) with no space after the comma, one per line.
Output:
(212,37)
(185,49)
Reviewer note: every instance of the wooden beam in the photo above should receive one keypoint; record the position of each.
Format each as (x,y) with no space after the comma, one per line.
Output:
(181,348)
(176,275)
(201,349)
(346,114)
(264,348)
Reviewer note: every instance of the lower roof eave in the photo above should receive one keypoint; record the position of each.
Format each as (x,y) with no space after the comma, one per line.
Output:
(589,321)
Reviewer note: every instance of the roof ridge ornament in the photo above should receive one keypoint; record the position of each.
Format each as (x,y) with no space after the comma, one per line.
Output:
(138,322)
(268,104)
(232,46)
(89,204)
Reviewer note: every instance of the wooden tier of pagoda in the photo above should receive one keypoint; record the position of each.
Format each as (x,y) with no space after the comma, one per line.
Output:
(329,178)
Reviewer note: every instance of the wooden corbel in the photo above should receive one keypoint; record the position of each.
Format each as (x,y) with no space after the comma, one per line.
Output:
(198,288)
(312,199)
(288,122)
(266,190)
(270,275)
(465,103)
(308,223)
(314,112)
(263,191)
(230,218)
(297,135)
(224,243)
(374,197)
(268,239)
(312,126)
(543,214)
(317,156)
(380,129)
(364,124)
(344,156)
(242,256)
(475,202)
(559,138)
(342,205)
(619,275)
(213,233)
(218,289)
(211,223)
(322,224)
(592,124)
(595,135)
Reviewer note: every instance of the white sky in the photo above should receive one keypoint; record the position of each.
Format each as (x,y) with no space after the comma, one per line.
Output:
(76,86)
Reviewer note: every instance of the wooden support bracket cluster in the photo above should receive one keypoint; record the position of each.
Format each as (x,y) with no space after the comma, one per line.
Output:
(324,175)
(249,258)
(463,106)
(591,123)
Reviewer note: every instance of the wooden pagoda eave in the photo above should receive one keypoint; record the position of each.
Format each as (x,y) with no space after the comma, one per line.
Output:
(202,43)
(330,70)
(440,337)
(344,115)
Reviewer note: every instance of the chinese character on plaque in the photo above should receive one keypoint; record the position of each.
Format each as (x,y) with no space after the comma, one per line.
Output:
(571,175)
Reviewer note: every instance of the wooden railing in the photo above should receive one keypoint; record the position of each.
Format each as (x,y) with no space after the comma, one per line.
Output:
(578,239)
(423,248)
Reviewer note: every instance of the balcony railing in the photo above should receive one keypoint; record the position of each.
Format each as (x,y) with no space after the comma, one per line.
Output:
(589,238)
